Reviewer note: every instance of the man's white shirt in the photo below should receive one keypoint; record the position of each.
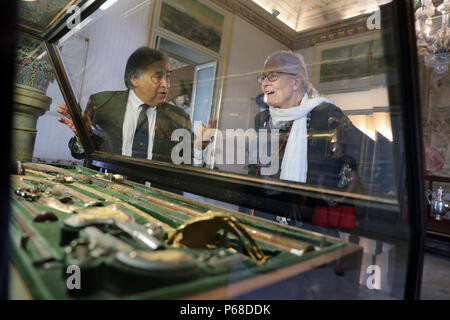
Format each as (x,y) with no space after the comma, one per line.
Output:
(133,109)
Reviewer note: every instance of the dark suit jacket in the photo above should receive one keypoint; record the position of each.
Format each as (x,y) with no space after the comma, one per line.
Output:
(108,119)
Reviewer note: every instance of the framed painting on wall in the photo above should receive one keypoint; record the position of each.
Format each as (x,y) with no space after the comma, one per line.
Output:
(350,64)
(195,21)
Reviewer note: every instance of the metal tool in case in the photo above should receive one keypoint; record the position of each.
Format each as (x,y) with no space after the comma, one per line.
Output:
(119,216)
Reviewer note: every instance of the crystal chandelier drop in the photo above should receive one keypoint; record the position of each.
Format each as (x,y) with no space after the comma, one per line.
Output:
(434,45)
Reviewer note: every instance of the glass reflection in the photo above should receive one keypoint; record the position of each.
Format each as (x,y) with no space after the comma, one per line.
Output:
(321,115)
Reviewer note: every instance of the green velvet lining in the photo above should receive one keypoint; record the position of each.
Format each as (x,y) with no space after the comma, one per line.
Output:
(106,278)
(163,197)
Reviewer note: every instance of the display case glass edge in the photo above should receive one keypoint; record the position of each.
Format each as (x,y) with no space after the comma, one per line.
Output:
(352,252)
(69,96)
(21,29)
(61,26)
(412,130)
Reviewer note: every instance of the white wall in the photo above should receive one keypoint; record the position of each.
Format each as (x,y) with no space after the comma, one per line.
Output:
(248,49)
(52,136)
(113,36)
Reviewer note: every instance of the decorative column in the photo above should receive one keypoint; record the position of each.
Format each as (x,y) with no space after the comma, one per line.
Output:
(33,72)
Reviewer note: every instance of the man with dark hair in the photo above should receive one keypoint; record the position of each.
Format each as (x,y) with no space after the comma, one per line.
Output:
(136,122)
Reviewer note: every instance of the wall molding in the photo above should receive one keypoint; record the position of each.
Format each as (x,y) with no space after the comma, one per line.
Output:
(264,21)
(261,19)
(341,29)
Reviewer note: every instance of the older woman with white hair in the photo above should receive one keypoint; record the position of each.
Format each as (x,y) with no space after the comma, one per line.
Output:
(318,144)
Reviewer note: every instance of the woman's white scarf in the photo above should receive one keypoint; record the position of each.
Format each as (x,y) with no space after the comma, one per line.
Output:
(294,166)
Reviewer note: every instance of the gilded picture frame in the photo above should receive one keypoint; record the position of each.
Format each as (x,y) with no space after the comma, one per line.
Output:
(194,20)
(350,64)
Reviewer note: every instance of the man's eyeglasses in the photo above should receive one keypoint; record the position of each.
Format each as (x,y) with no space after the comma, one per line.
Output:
(271,76)
(158,76)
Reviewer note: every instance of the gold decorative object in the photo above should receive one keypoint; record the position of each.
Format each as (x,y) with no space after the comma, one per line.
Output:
(113,212)
(211,230)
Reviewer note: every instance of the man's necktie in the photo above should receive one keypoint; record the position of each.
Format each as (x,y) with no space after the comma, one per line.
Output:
(140,142)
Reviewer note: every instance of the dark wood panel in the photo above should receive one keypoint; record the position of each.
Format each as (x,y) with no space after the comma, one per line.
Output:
(439,226)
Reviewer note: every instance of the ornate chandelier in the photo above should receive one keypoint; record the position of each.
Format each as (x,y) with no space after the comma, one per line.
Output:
(433,44)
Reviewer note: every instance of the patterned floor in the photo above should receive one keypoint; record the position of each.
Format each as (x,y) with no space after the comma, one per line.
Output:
(436,277)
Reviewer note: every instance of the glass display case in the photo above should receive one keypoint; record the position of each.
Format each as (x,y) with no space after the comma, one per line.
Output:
(236,192)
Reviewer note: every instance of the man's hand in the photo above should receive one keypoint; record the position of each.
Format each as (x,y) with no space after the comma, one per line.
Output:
(202,134)
(85,116)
